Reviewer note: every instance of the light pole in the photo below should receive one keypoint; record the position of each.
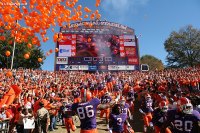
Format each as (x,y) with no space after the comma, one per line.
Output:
(13,52)
(14,43)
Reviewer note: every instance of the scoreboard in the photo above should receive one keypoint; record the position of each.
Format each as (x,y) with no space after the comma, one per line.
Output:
(97,45)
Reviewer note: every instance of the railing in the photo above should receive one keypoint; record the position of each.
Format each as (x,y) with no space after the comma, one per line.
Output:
(4,126)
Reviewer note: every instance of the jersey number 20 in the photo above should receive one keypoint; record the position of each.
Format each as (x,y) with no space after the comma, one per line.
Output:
(183,125)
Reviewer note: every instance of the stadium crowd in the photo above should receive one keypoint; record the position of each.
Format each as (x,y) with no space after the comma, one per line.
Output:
(166,96)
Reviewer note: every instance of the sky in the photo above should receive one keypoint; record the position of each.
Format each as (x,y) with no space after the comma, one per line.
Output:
(152,20)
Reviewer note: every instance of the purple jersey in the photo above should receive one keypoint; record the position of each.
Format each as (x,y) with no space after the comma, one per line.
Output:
(76,93)
(117,122)
(184,123)
(147,106)
(105,99)
(159,117)
(100,86)
(87,113)
(67,111)
(130,95)
(125,108)
(108,78)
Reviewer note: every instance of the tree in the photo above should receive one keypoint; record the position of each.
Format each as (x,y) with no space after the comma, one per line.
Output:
(153,62)
(6,44)
(183,47)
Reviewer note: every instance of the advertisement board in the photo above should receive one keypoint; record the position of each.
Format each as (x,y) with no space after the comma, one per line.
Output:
(112,67)
(130,51)
(133,61)
(83,67)
(64,67)
(130,67)
(93,68)
(62,60)
(104,46)
(121,67)
(129,40)
(64,51)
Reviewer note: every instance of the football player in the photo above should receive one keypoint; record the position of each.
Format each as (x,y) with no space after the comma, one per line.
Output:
(76,95)
(105,99)
(159,117)
(67,115)
(117,119)
(184,119)
(87,110)
(125,109)
(146,109)
(130,99)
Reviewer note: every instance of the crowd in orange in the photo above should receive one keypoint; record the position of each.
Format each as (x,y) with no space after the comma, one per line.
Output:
(26,88)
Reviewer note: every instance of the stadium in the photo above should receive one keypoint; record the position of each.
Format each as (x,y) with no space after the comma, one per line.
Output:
(97,82)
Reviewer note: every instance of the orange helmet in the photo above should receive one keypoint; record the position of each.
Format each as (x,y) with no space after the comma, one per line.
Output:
(184,105)
(163,106)
(86,95)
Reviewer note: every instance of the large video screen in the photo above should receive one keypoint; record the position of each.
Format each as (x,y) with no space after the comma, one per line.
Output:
(97,46)
(104,46)
(97,52)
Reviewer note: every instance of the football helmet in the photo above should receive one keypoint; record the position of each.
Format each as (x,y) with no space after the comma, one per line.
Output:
(147,96)
(86,95)
(163,106)
(184,105)
(116,109)
(122,100)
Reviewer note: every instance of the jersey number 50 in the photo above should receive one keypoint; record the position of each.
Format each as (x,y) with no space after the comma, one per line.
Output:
(89,112)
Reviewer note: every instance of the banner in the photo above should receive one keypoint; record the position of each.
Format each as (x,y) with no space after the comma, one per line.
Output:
(112,67)
(67,39)
(92,68)
(103,67)
(122,52)
(64,50)
(64,67)
(130,67)
(129,40)
(83,67)
(133,61)
(74,67)
(121,67)
(130,51)
(62,60)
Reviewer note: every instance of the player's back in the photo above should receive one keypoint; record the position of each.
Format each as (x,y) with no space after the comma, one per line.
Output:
(87,113)
(184,123)
(118,122)
(106,99)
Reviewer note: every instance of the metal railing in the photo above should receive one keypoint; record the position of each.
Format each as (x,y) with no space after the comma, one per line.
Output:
(4,126)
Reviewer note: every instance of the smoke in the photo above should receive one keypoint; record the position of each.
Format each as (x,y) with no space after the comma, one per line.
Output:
(102,46)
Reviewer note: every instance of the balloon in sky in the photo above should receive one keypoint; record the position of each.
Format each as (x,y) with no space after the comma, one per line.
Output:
(7,53)
(26,56)
(40,60)
(56,50)
(39,16)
